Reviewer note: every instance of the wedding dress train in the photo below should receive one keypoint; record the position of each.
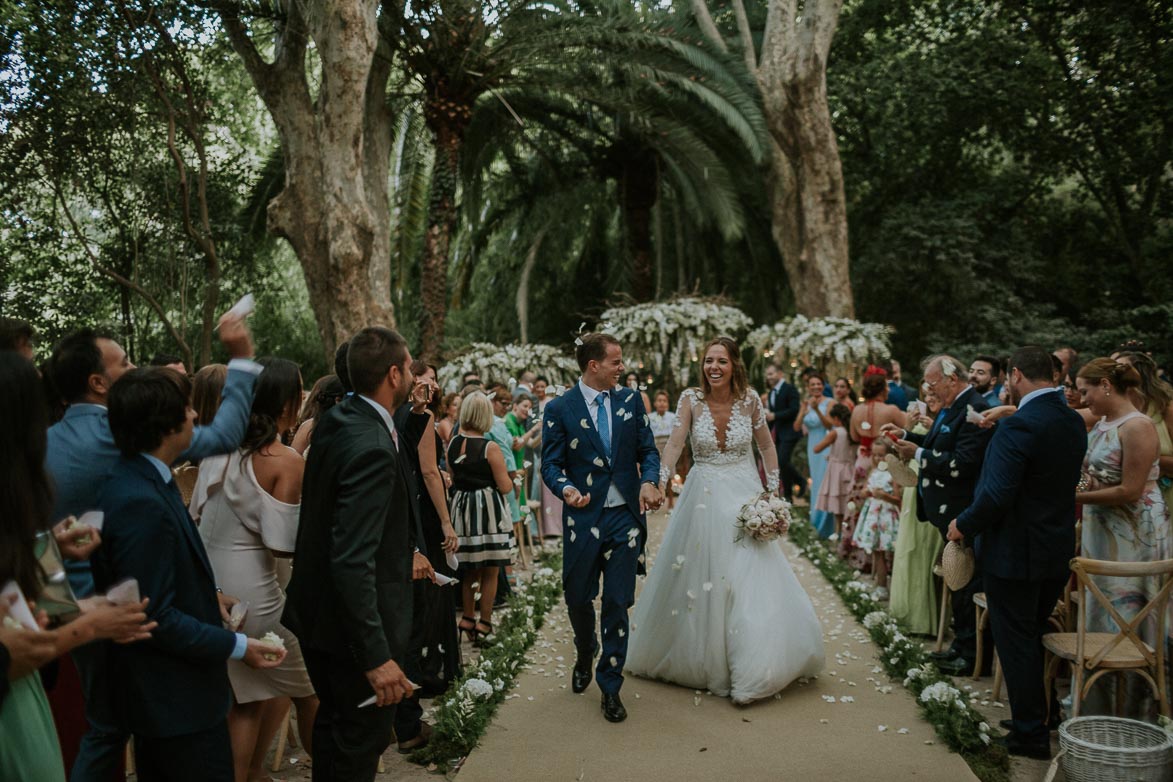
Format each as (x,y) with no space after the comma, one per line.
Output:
(716,613)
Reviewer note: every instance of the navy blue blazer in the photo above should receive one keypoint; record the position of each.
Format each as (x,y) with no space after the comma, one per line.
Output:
(1024,506)
(176,682)
(951,461)
(784,404)
(572,454)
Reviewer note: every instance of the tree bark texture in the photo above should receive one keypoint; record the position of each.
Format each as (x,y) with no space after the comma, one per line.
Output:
(442,218)
(639,186)
(334,208)
(809,208)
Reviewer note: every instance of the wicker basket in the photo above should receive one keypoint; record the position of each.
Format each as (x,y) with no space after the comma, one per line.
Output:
(1112,749)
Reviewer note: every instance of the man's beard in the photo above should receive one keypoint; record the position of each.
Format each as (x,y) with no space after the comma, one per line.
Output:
(1013,397)
(982,389)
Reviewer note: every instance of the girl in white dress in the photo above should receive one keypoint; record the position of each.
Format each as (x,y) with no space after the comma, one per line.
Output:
(715,613)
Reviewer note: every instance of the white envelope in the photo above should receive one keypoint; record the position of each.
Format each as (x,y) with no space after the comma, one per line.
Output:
(93,518)
(124,592)
(371,700)
(245,307)
(444,580)
(19,608)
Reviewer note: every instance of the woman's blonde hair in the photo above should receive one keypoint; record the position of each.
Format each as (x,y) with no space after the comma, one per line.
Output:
(739,381)
(476,413)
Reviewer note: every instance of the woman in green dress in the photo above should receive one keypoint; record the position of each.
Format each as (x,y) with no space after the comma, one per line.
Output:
(914,594)
(517,422)
(29,750)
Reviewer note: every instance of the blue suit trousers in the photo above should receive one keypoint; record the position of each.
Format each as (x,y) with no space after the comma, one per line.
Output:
(613,557)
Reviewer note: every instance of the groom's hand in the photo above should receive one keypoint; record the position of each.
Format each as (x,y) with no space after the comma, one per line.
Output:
(389,683)
(650,497)
(575,499)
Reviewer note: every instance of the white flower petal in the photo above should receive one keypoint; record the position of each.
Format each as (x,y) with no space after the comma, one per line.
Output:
(595,532)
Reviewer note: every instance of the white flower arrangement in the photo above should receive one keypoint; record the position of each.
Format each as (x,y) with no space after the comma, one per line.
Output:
(505,362)
(823,341)
(669,335)
(763,518)
(478,688)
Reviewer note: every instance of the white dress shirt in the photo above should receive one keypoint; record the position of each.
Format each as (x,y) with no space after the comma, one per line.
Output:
(614,498)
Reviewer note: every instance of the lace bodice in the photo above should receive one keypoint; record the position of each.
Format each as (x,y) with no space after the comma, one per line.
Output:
(747,424)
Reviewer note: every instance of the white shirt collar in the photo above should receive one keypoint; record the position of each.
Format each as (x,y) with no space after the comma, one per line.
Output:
(779,384)
(382,411)
(1036,393)
(589,394)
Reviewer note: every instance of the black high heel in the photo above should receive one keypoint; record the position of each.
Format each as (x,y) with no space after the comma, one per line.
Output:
(484,637)
(469,629)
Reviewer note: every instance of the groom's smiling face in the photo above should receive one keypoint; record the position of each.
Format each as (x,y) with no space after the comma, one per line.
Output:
(610,370)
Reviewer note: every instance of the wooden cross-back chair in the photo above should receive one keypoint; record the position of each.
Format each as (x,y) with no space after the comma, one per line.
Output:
(1099,653)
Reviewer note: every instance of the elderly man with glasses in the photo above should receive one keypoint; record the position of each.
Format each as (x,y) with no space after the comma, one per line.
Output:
(950,458)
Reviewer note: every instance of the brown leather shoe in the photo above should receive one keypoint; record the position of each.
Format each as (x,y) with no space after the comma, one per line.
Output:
(421,740)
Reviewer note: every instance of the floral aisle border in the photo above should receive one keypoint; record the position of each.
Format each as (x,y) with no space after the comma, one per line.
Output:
(944,706)
(463,713)
(504,363)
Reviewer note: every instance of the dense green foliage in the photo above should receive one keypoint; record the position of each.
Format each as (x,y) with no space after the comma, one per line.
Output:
(1007,170)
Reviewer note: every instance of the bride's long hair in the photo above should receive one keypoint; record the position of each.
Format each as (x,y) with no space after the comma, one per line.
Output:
(739,382)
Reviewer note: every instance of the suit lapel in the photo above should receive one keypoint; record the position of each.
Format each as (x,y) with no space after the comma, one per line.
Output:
(578,408)
(621,407)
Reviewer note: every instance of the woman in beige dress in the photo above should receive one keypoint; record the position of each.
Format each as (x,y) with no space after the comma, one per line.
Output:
(247,505)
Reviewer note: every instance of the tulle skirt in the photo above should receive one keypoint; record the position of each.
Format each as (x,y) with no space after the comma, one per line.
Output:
(719,614)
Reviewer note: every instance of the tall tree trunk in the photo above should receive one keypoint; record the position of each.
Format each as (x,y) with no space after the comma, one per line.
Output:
(333,209)
(808,204)
(809,208)
(438,238)
(527,270)
(639,186)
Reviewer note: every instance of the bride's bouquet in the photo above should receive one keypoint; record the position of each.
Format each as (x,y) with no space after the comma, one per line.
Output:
(763,518)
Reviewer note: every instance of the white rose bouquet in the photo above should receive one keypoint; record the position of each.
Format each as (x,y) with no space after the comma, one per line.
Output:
(763,518)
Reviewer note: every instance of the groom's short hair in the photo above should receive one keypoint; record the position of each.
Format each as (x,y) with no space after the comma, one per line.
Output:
(593,347)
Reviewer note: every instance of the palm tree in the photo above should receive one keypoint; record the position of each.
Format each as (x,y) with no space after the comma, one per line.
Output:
(631,99)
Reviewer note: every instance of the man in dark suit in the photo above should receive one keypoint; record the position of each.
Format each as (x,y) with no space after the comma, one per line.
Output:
(781,410)
(950,458)
(171,692)
(350,599)
(1024,511)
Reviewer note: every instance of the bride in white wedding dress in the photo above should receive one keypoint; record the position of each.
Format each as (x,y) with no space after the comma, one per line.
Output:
(718,614)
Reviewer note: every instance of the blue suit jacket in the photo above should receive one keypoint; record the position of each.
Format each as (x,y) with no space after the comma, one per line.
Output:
(176,682)
(1024,506)
(81,453)
(572,454)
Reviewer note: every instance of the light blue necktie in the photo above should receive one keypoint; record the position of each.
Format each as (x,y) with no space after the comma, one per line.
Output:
(603,425)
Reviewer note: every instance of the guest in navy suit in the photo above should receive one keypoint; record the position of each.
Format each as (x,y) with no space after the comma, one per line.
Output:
(782,405)
(950,457)
(1024,511)
(170,692)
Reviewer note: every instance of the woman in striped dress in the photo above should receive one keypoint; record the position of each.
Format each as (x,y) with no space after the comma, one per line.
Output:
(483,524)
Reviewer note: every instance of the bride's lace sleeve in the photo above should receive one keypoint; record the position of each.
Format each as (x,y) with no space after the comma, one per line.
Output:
(677,439)
(761,436)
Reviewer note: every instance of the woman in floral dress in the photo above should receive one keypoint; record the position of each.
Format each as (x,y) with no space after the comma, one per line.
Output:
(1124,514)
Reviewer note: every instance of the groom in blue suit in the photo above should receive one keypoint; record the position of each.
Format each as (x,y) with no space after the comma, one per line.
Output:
(1023,518)
(599,455)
